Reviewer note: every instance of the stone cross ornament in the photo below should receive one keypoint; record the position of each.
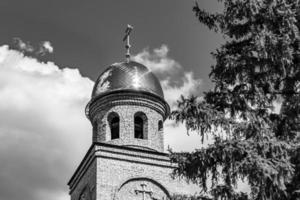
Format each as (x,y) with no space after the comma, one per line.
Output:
(144,191)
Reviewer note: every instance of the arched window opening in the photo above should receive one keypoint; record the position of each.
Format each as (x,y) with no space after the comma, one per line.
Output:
(160,125)
(115,128)
(114,125)
(140,126)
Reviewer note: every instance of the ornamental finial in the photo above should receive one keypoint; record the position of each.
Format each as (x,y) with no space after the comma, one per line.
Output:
(126,37)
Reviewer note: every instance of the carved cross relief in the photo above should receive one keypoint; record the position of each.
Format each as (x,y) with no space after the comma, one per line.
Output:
(141,190)
(144,192)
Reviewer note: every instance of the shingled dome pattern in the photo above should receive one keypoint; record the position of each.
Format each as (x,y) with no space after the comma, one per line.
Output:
(123,76)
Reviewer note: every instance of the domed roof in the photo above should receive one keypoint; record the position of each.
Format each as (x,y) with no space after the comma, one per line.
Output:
(123,76)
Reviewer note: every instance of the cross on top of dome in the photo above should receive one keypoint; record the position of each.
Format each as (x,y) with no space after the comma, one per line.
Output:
(128,81)
(127,46)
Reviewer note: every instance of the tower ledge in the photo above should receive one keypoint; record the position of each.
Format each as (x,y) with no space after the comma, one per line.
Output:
(120,153)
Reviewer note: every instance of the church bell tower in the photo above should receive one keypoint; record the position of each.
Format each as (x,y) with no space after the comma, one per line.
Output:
(128,107)
(126,159)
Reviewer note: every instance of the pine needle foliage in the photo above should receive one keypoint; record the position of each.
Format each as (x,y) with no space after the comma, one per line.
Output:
(257,68)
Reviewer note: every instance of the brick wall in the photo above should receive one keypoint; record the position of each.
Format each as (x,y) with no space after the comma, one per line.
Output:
(113,172)
(155,138)
(126,109)
(118,176)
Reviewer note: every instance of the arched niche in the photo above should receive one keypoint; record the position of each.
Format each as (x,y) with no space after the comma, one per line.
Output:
(140,125)
(140,189)
(114,125)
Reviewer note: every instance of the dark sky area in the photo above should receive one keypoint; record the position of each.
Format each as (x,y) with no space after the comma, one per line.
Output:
(88,34)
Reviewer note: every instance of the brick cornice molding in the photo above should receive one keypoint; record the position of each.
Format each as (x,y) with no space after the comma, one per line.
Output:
(127,97)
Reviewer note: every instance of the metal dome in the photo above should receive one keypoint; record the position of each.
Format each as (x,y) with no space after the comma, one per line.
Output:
(124,76)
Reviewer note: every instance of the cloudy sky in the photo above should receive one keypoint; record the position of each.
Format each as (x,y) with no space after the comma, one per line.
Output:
(51,52)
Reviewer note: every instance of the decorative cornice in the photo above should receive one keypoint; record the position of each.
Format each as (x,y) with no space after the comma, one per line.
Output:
(127,97)
(124,153)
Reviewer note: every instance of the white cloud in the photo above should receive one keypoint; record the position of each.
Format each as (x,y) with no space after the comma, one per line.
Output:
(158,61)
(23,46)
(174,80)
(190,86)
(177,139)
(44,133)
(42,49)
(45,47)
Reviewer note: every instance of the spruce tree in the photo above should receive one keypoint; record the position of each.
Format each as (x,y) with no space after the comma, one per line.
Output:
(257,69)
